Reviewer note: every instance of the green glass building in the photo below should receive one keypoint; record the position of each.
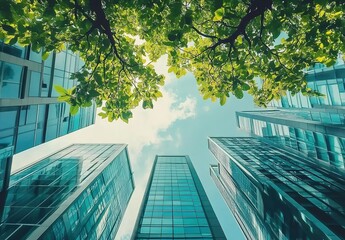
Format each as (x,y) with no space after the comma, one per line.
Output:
(314,126)
(278,194)
(330,81)
(175,205)
(80,192)
(30,113)
(301,130)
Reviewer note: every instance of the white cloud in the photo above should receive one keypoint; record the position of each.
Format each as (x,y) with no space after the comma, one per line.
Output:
(146,126)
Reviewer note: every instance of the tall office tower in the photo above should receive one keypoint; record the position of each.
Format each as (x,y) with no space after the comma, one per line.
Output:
(305,130)
(314,126)
(329,81)
(278,194)
(80,192)
(29,111)
(175,205)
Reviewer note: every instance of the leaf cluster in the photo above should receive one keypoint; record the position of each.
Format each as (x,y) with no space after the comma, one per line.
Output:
(227,44)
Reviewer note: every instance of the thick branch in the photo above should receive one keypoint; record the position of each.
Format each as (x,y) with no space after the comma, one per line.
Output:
(256,8)
(103,24)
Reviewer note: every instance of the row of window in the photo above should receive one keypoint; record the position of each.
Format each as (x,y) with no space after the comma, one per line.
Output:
(314,189)
(36,84)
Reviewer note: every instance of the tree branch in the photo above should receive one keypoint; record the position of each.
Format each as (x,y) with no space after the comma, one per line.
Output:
(203,34)
(256,9)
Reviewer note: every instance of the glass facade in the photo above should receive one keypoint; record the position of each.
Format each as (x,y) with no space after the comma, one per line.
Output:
(29,111)
(277,194)
(80,192)
(175,205)
(320,135)
(5,164)
(315,126)
(328,81)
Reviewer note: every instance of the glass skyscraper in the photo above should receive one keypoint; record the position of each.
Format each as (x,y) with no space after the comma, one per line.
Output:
(175,205)
(315,126)
(278,194)
(304,130)
(29,111)
(80,192)
(329,81)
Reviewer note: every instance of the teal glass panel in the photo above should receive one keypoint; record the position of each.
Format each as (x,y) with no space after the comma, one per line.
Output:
(10,78)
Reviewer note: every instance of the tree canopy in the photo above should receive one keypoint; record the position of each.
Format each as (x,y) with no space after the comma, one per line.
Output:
(226,44)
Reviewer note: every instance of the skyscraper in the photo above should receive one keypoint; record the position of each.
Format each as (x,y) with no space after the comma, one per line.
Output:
(329,81)
(175,205)
(29,111)
(305,130)
(315,126)
(80,192)
(278,194)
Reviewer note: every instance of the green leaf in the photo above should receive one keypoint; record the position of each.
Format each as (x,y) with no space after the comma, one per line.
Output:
(159,94)
(60,90)
(74,109)
(9,29)
(126,115)
(175,35)
(87,104)
(97,78)
(93,93)
(111,117)
(172,69)
(245,87)
(238,93)
(45,55)
(218,14)
(71,90)
(90,58)
(13,41)
(64,98)
(147,104)
(102,115)
(222,100)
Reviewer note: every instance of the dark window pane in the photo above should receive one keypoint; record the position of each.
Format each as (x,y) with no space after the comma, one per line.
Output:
(14,50)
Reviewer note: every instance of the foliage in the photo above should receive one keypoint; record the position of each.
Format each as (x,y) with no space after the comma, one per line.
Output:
(225,43)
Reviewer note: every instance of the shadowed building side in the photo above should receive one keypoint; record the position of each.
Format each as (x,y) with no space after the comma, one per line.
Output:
(276,194)
(80,192)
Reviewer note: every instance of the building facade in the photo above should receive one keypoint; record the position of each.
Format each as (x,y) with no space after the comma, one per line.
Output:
(175,205)
(302,130)
(314,126)
(29,111)
(330,81)
(80,192)
(278,194)
(6,153)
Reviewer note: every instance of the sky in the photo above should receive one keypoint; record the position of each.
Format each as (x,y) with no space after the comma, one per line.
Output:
(179,124)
